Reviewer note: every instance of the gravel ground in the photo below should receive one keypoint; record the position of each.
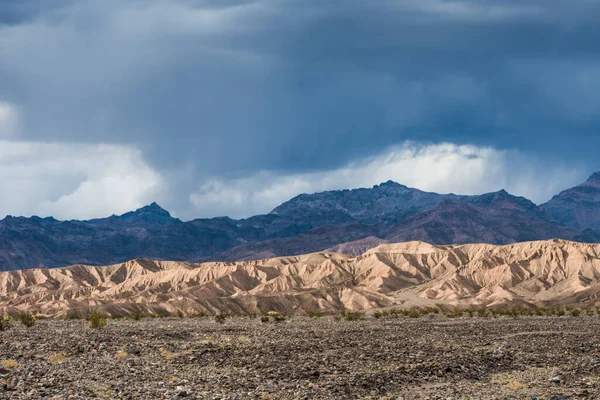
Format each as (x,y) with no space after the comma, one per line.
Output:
(302,358)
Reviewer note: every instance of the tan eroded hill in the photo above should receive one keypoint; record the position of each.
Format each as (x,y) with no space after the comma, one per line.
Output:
(405,274)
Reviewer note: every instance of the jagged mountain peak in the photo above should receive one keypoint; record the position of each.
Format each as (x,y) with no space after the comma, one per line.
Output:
(385,203)
(152,214)
(578,207)
(153,208)
(503,199)
(390,184)
(593,180)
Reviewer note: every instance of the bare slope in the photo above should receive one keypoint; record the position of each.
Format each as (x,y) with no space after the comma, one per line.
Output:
(404,274)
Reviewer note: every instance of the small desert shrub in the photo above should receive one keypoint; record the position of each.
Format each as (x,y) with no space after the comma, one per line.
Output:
(560,312)
(392,313)
(352,315)
(27,319)
(10,364)
(575,313)
(454,313)
(589,312)
(4,322)
(513,312)
(385,314)
(265,318)
(136,316)
(180,314)
(315,314)
(121,355)
(525,311)
(220,318)
(278,318)
(97,321)
(198,314)
(57,358)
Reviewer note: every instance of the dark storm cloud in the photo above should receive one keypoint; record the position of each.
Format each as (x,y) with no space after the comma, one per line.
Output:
(23,11)
(227,88)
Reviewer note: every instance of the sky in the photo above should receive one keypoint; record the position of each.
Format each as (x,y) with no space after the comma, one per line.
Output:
(231,107)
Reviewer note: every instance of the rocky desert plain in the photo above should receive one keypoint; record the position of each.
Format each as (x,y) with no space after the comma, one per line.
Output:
(400,321)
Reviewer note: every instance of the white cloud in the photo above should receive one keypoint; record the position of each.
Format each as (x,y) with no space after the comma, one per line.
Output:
(441,168)
(73,181)
(9,120)
(468,10)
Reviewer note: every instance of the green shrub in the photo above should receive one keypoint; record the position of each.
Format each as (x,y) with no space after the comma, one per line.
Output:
(538,312)
(27,319)
(575,313)
(220,318)
(525,311)
(352,315)
(394,313)
(180,314)
(136,316)
(589,312)
(385,314)
(4,322)
(456,313)
(97,321)
(278,318)
(265,318)
(315,314)
(199,314)
(560,312)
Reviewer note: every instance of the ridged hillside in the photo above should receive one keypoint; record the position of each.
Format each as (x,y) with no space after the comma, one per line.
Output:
(405,274)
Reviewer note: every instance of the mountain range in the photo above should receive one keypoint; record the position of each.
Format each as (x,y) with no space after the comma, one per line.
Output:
(412,274)
(351,221)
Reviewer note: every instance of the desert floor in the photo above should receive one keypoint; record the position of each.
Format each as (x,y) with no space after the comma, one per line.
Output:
(433,357)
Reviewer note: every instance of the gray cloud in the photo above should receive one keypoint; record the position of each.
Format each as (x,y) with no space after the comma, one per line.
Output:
(215,90)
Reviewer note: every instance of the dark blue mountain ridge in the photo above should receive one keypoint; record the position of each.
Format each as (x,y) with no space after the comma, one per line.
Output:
(577,207)
(306,223)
